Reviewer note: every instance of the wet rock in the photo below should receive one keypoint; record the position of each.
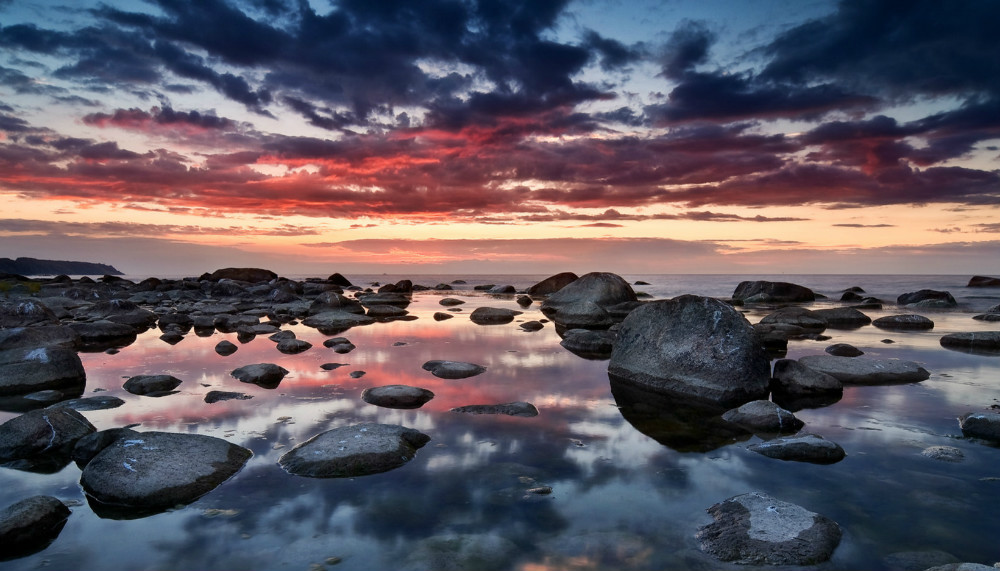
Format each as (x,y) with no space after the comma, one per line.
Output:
(27,370)
(453,369)
(155,471)
(451,301)
(524,409)
(340,345)
(251,275)
(798,316)
(987,342)
(927,298)
(50,431)
(333,301)
(502,290)
(987,317)
(351,451)
(90,403)
(385,312)
(152,385)
(581,315)
(493,315)
(225,348)
(589,343)
(772,292)
(844,350)
(763,416)
(578,299)
(356,374)
(25,313)
(441,316)
(385,298)
(843,317)
(293,346)
(793,381)
(172,337)
(265,375)
(332,366)
(39,336)
(175,321)
(756,529)
(100,335)
(985,425)
(552,284)
(943,453)
(336,320)
(30,525)
(532,325)
(397,396)
(983,281)
(801,448)
(89,446)
(692,347)
(218,396)
(859,371)
(337,279)
(904,322)
(523,300)
(122,311)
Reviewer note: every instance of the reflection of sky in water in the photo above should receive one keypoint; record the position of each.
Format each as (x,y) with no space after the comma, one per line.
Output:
(620,498)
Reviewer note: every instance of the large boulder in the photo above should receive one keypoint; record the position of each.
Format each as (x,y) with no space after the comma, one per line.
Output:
(155,471)
(987,342)
(552,284)
(30,525)
(772,292)
(122,311)
(796,316)
(29,370)
(861,371)
(843,317)
(692,347)
(251,275)
(104,334)
(756,529)
(985,425)
(335,301)
(39,336)
(602,289)
(927,298)
(24,313)
(356,450)
(46,432)
(983,281)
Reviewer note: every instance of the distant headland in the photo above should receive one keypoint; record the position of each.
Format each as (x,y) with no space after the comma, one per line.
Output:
(35,267)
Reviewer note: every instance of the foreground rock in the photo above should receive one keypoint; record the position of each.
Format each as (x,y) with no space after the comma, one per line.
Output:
(155,471)
(904,322)
(756,529)
(42,433)
(985,425)
(357,450)
(152,385)
(30,525)
(524,409)
(691,347)
(397,396)
(266,375)
(38,336)
(453,369)
(861,371)
(493,315)
(772,292)
(979,341)
(28,370)
(801,448)
(25,313)
(763,416)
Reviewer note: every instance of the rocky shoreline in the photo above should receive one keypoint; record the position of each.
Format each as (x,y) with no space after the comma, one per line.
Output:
(690,352)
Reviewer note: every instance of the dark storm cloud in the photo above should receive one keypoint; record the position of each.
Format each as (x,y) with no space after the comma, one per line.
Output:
(136,118)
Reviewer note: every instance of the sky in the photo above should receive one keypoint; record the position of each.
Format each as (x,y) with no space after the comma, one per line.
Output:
(172,137)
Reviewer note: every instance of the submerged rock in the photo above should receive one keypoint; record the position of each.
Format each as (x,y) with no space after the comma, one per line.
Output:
(692,347)
(397,396)
(756,529)
(859,371)
(763,416)
(904,322)
(156,471)
(453,369)
(943,453)
(801,448)
(525,409)
(357,450)
(90,403)
(980,341)
(485,552)
(218,396)
(30,525)
(844,350)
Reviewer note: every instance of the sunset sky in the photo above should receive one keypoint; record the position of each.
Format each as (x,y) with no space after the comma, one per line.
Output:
(502,136)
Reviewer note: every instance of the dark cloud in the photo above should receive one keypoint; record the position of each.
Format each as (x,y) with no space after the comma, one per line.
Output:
(166,116)
(851,225)
(687,47)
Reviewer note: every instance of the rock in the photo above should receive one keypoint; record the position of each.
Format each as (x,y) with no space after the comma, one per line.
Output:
(27,370)
(30,525)
(917,560)
(217,396)
(943,453)
(987,342)
(332,366)
(385,298)
(798,316)
(589,343)
(451,301)
(987,317)
(251,275)
(334,301)
(763,416)
(266,375)
(525,409)
(600,288)
(453,369)
(293,346)
(152,385)
(336,320)
(502,290)
(25,313)
(581,315)
(691,347)
(397,396)
(177,321)
(904,322)
(552,284)
(39,336)
(983,281)
(772,292)
(844,350)
(801,448)
(91,445)
(927,298)
(357,450)
(493,315)
(386,312)
(794,380)
(122,311)
(172,337)
(155,471)
(532,326)
(843,317)
(461,552)
(339,345)
(756,529)
(962,567)
(441,316)
(45,432)
(523,300)
(858,371)
(985,425)
(90,403)
(357,374)
(225,348)
(100,335)
(339,280)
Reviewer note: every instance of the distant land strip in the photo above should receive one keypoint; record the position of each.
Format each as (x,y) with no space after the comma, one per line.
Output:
(35,267)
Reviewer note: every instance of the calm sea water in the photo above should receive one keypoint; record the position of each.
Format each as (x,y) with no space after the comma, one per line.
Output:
(625,494)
